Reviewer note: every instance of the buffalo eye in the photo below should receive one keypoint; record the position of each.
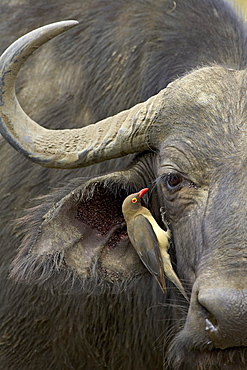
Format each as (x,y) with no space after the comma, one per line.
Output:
(173,181)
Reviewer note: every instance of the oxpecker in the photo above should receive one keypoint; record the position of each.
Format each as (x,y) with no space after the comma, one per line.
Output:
(149,240)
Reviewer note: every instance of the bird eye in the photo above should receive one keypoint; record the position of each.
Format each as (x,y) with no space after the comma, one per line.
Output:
(134,200)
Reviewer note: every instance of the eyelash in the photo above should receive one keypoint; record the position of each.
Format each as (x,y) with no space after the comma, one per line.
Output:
(175,182)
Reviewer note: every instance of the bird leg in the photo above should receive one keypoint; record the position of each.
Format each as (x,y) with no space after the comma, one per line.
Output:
(163,218)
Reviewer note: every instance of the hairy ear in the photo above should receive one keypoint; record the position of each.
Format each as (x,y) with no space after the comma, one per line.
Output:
(83,235)
(77,234)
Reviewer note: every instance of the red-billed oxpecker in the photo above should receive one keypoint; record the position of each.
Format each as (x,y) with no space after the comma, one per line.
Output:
(149,240)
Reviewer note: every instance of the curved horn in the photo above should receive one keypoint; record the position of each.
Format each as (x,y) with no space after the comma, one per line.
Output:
(125,133)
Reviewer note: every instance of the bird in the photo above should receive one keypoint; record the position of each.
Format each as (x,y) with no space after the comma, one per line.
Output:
(150,241)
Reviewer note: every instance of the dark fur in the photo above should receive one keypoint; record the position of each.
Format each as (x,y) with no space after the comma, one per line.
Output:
(121,53)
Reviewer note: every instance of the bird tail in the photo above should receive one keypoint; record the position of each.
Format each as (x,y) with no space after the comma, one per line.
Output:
(161,282)
(172,276)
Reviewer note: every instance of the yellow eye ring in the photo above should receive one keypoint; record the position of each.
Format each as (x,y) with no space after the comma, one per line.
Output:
(134,200)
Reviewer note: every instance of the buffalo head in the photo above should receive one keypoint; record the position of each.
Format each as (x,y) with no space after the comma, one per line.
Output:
(192,136)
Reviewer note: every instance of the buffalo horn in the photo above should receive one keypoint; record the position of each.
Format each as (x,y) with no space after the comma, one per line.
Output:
(124,133)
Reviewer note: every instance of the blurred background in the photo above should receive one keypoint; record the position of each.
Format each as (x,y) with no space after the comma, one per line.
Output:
(243,5)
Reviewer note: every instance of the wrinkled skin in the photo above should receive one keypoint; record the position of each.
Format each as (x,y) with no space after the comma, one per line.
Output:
(78,297)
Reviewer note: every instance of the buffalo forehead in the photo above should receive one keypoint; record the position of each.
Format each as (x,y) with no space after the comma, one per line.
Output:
(207,97)
(206,112)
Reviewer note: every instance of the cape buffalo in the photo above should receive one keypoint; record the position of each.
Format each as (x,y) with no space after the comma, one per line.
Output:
(171,78)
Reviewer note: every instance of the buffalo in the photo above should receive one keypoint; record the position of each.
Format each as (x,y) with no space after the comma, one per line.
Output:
(144,93)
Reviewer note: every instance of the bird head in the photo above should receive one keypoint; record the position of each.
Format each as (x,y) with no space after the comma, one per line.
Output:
(133,202)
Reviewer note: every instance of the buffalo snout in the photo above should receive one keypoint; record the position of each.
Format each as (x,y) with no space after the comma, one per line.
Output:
(225,313)
(217,317)
(215,331)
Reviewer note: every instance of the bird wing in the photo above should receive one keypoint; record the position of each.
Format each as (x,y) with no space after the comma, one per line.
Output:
(145,242)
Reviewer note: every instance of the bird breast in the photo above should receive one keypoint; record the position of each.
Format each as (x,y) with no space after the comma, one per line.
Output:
(162,235)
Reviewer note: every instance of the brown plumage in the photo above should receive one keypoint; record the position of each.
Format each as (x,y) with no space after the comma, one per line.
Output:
(149,240)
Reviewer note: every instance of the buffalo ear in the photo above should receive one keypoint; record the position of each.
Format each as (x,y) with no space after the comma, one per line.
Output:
(83,234)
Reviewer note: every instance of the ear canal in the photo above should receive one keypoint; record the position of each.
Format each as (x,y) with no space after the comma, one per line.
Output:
(114,137)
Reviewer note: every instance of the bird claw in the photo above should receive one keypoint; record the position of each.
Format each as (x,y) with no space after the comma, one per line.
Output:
(163,218)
